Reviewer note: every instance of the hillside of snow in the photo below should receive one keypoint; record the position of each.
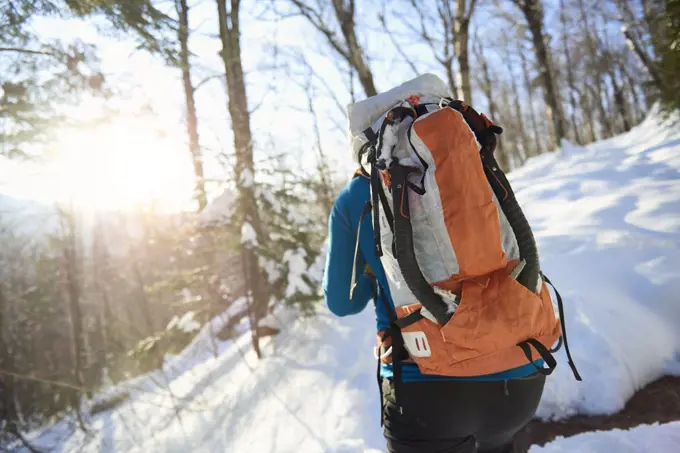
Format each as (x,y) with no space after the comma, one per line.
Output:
(607,221)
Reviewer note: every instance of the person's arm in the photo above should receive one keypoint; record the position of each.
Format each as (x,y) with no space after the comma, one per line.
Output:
(339,263)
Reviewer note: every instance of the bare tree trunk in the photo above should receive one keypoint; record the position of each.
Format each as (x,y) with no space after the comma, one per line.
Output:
(585,101)
(102,278)
(616,100)
(144,300)
(620,100)
(638,106)
(73,293)
(349,47)
(345,15)
(511,146)
(450,76)
(530,92)
(487,87)
(570,75)
(324,194)
(446,15)
(192,119)
(646,61)
(230,36)
(8,412)
(650,19)
(461,36)
(533,12)
(521,130)
(601,96)
(447,47)
(598,92)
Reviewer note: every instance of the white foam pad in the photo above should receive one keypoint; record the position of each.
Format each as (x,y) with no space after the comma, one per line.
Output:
(364,113)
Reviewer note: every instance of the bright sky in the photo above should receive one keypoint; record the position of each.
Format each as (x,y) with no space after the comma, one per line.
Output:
(141,156)
(131,159)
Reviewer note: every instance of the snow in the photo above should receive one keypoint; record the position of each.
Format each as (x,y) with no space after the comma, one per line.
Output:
(607,222)
(297,269)
(237,306)
(309,395)
(248,235)
(271,268)
(295,217)
(654,438)
(316,270)
(246,179)
(221,209)
(186,323)
(270,198)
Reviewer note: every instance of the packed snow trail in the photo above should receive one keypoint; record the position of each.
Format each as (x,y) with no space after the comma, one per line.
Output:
(607,221)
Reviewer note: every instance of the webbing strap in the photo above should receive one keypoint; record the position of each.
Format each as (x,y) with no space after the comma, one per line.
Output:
(421,109)
(386,207)
(559,345)
(406,258)
(560,306)
(398,351)
(370,134)
(353,283)
(377,373)
(543,352)
(382,398)
(397,346)
(376,187)
(409,319)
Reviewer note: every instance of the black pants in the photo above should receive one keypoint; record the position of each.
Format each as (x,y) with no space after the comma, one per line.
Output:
(458,416)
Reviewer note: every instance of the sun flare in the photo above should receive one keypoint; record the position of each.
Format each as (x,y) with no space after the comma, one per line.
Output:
(122,165)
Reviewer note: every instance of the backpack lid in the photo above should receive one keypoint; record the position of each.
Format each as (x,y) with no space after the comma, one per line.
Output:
(365,113)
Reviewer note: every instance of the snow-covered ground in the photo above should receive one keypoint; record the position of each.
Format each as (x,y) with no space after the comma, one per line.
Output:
(607,220)
(641,439)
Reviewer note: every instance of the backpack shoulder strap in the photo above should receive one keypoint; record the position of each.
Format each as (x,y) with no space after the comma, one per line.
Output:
(485,130)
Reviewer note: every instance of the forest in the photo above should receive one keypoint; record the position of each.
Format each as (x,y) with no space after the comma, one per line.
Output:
(223,123)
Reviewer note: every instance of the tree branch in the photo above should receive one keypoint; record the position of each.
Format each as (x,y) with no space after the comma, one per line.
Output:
(317,21)
(207,79)
(396,45)
(643,57)
(473,3)
(27,51)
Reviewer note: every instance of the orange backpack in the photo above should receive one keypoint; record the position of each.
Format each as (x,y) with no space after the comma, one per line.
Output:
(460,257)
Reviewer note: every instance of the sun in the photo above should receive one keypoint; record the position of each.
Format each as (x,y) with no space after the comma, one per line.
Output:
(122,165)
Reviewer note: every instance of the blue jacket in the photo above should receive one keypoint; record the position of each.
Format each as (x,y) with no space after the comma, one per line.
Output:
(342,234)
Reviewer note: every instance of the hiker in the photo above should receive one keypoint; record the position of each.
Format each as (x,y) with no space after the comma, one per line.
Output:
(455,376)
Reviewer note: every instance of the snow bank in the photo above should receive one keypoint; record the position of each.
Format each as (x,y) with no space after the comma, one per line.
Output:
(607,221)
(315,392)
(641,439)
